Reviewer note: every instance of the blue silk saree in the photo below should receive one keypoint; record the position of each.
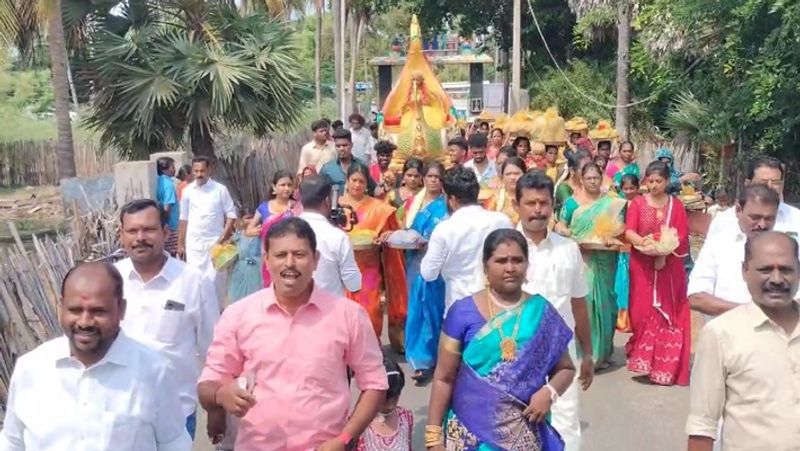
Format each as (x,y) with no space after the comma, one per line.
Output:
(425,299)
(490,394)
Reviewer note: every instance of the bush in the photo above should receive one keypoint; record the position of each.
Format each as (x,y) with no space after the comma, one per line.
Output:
(551,89)
(27,91)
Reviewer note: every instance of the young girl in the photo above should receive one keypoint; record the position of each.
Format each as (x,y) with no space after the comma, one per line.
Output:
(391,429)
(246,273)
(629,190)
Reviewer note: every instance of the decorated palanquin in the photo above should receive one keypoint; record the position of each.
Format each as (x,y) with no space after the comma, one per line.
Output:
(417,112)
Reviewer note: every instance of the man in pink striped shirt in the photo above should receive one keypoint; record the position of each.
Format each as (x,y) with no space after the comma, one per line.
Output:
(292,343)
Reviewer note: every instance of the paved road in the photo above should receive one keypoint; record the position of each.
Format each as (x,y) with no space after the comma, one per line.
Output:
(619,412)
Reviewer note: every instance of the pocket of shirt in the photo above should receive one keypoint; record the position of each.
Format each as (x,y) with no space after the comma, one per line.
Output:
(169,326)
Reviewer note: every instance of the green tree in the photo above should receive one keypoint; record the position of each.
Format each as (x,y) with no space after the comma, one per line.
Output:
(192,68)
(739,57)
(20,24)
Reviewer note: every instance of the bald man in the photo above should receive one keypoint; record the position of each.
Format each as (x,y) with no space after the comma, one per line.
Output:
(93,388)
(747,360)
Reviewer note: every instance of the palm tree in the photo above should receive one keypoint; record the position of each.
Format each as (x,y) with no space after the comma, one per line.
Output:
(57,48)
(20,25)
(320,7)
(192,68)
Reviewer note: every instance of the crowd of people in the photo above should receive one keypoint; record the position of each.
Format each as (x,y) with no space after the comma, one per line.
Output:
(503,278)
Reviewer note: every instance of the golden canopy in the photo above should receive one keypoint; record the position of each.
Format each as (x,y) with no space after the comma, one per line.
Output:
(436,100)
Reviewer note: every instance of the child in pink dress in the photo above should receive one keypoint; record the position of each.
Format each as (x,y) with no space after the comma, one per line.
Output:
(391,428)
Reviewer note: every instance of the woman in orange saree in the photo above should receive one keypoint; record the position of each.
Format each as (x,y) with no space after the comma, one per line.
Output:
(381,267)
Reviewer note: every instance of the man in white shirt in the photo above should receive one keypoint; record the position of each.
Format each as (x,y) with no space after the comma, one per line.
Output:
(172,307)
(337,269)
(363,142)
(455,247)
(716,284)
(765,171)
(555,271)
(207,216)
(319,150)
(93,388)
(484,168)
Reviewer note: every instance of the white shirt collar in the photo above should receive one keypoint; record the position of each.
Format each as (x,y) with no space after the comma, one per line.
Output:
(547,241)
(118,353)
(313,215)
(468,210)
(170,271)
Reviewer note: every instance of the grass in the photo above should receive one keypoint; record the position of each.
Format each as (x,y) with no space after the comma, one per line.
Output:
(19,126)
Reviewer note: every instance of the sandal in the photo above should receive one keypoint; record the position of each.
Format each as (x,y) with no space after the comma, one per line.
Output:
(425,377)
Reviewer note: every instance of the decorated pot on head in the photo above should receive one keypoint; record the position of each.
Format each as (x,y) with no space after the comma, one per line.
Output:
(554,134)
(576,128)
(486,116)
(604,137)
(520,124)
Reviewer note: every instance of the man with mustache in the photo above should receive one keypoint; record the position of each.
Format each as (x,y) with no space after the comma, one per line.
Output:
(207,214)
(747,361)
(319,150)
(555,272)
(769,171)
(715,284)
(280,356)
(93,388)
(172,307)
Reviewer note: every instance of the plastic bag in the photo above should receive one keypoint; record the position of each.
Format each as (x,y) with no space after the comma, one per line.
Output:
(223,256)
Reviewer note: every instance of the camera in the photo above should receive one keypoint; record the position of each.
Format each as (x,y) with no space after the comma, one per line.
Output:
(343,217)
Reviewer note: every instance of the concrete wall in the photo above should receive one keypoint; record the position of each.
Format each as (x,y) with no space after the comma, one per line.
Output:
(88,193)
(135,180)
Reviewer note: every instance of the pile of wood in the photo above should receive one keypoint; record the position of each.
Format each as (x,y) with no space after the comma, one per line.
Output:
(30,284)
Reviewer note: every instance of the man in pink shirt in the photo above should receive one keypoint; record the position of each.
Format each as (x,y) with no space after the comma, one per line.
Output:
(292,343)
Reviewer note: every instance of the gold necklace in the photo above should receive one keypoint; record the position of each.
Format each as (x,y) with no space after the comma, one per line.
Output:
(508,345)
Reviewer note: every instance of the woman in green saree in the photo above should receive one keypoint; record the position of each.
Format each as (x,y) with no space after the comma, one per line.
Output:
(595,220)
(570,182)
(502,362)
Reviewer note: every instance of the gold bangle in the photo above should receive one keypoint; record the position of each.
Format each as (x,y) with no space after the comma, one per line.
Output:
(434,436)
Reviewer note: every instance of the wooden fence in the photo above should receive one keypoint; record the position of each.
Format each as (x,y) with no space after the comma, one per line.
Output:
(35,163)
(249,163)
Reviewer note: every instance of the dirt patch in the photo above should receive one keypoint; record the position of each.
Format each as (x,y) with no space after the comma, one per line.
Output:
(33,209)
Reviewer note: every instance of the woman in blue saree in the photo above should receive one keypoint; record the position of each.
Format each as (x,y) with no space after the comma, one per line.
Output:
(425,299)
(502,362)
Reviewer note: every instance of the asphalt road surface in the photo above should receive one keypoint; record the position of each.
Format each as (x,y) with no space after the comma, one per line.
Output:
(620,412)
